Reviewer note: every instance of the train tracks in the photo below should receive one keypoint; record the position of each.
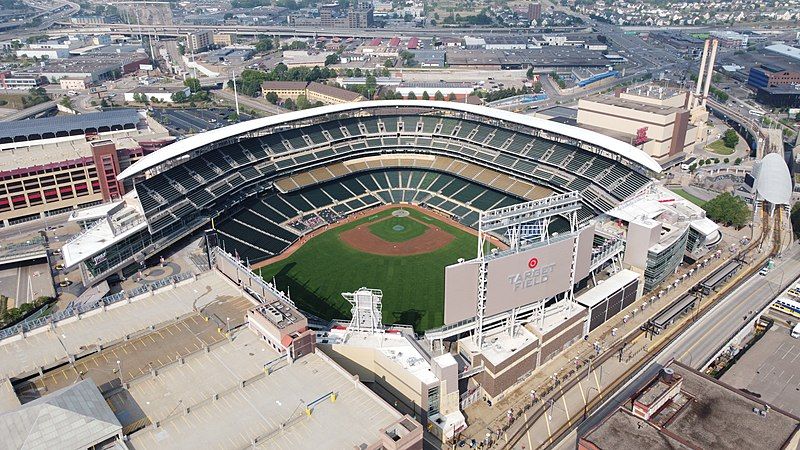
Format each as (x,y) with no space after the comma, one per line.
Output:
(556,392)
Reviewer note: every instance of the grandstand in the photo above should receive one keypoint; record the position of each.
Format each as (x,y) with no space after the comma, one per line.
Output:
(292,173)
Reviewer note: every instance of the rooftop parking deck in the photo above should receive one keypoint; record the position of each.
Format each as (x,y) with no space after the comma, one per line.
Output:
(46,346)
(271,410)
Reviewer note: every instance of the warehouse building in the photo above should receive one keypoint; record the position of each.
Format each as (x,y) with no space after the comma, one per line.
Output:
(684,409)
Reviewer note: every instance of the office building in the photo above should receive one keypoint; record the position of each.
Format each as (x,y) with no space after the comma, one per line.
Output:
(199,41)
(534,11)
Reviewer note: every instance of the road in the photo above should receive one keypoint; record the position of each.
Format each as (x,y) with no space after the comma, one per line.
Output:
(697,344)
(249,102)
(29,112)
(713,330)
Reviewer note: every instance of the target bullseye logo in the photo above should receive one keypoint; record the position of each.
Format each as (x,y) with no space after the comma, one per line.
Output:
(532,263)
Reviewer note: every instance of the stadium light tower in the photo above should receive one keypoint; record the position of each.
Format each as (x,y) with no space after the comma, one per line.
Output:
(366,310)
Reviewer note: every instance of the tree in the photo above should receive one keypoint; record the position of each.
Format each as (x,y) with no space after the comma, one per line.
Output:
(193,84)
(726,160)
(349,73)
(693,167)
(728,210)
(332,59)
(272,97)
(66,102)
(104,103)
(412,96)
(529,74)
(438,96)
(358,73)
(737,161)
(370,86)
(425,95)
(179,97)
(451,97)
(730,138)
(795,219)
(289,104)
(264,44)
(389,63)
(302,102)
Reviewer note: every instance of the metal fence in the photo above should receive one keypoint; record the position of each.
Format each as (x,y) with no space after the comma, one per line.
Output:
(83,308)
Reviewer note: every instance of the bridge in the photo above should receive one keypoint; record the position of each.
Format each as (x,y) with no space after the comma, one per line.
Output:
(34,111)
(757,138)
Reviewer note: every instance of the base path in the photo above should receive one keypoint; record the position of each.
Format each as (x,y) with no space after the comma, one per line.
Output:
(362,239)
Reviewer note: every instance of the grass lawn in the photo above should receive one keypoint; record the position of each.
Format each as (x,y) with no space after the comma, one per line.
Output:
(413,286)
(719,148)
(398,229)
(694,199)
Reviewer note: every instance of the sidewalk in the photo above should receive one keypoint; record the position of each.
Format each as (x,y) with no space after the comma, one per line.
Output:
(483,418)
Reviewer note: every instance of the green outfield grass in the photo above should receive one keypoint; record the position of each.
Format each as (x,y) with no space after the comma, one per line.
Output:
(398,229)
(413,286)
(692,198)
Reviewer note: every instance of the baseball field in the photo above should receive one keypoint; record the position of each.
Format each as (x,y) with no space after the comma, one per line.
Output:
(402,251)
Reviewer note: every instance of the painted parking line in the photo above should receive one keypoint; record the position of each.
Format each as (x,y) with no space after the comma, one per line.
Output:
(582,394)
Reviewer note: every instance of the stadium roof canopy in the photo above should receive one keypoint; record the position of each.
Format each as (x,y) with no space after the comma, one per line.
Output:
(68,125)
(773,182)
(189,144)
(76,416)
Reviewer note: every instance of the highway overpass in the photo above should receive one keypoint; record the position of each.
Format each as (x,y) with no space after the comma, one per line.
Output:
(272,30)
(34,111)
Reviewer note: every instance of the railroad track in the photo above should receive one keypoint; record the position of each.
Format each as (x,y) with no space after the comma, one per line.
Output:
(557,391)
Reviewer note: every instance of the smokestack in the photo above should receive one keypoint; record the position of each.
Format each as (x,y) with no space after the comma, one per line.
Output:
(696,100)
(710,70)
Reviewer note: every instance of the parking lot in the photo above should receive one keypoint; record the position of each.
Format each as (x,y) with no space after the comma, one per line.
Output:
(769,370)
(23,283)
(183,121)
(128,360)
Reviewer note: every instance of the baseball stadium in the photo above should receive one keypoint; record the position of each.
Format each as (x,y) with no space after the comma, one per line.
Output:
(381,193)
(501,238)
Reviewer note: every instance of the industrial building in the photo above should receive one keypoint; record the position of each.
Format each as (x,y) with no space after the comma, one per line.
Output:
(163,94)
(327,94)
(461,90)
(654,119)
(45,50)
(683,408)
